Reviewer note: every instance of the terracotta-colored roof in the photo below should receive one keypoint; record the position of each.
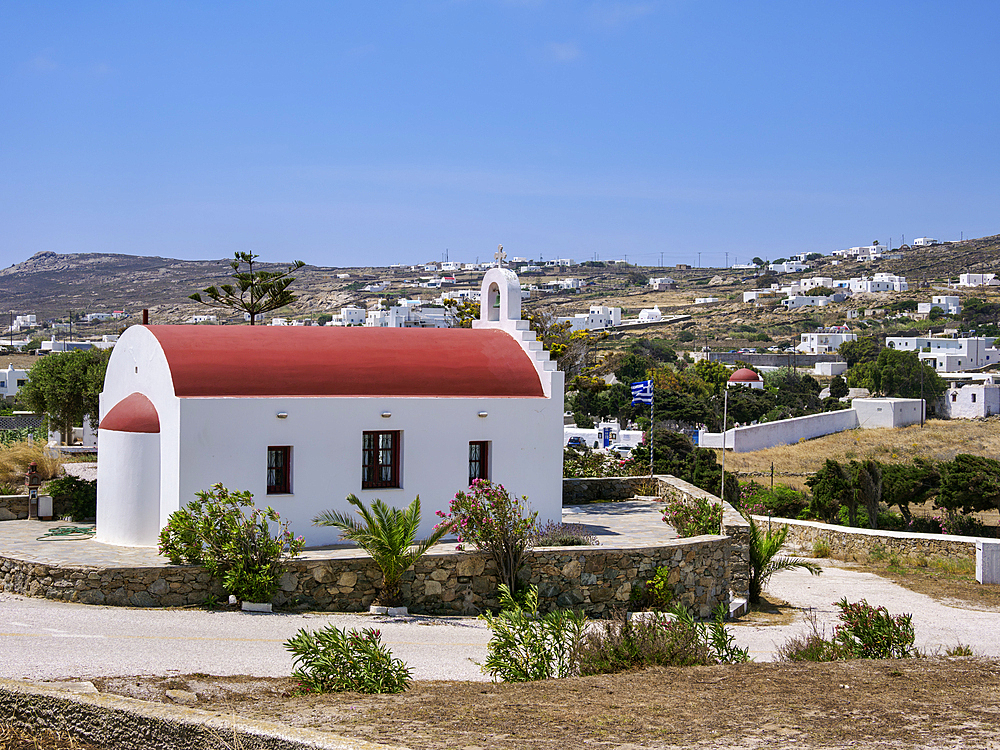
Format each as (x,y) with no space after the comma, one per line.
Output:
(219,361)
(134,413)
(744,375)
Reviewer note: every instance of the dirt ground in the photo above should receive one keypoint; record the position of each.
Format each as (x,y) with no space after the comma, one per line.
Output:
(907,703)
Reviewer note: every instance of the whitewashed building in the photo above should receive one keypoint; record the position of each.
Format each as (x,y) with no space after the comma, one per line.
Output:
(949,305)
(599,318)
(924,242)
(11,381)
(880,282)
(978,279)
(946,354)
(971,400)
(825,340)
(348,316)
(302,417)
(651,316)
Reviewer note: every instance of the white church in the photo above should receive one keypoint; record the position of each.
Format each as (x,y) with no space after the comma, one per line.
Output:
(302,417)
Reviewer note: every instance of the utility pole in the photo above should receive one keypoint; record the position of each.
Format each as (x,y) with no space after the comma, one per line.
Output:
(661,259)
(727,259)
(699,259)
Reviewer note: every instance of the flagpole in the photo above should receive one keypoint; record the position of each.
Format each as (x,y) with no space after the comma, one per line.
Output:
(650,433)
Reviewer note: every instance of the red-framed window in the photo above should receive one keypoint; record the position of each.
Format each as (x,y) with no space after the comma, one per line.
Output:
(479,460)
(279,470)
(380,459)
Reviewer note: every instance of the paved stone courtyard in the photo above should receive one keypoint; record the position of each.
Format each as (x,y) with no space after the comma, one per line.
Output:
(631,523)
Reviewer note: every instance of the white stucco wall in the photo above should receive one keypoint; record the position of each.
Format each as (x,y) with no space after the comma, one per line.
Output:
(226,440)
(958,403)
(783,432)
(874,413)
(128,488)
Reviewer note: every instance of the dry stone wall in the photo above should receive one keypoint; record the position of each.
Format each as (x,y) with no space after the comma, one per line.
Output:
(862,545)
(13,507)
(605,489)
(592,579)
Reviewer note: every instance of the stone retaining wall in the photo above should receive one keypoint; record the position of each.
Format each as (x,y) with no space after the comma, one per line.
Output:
(13,507)
(604,489)
(592,579)
(858,545)
(734,526)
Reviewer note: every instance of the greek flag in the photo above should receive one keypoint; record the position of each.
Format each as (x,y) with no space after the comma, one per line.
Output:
(642,392)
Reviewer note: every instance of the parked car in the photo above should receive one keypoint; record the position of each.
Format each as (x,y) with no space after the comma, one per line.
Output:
(625,451)
(576,442)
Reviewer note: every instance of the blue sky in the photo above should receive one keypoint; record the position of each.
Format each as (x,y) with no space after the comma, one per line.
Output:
(371,133)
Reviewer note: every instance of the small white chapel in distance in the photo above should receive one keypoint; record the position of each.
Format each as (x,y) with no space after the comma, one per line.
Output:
(304,416)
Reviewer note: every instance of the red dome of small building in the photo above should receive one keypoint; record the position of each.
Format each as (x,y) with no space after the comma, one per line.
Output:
(744,375)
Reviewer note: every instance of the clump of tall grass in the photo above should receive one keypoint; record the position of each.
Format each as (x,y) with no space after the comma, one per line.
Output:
(14,460)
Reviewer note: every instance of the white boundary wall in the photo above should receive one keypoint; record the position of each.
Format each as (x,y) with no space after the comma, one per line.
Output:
(783,432)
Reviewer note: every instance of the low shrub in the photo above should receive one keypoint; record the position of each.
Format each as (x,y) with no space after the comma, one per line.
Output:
(656,593)
(821,548)
(869,632)
(74,497)
(865,632)
(527,646)
(693,516)
(557,534)
(782,501)
(658,639)
(588,463)
(236,546)
(335,660)
(959,650)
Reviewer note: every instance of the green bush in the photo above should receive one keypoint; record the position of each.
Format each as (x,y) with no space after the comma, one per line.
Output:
(671,640)
(335,660)
(693,516)
(492,520)
(869,632)
(527,646)
(236,547)
(782,501)
(74,497)
(865,632)
(656,593)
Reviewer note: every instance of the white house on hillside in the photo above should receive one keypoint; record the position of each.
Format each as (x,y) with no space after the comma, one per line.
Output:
(302,417)
(978,279)
(949,305)
(599,318)
(949,354)
(825,340)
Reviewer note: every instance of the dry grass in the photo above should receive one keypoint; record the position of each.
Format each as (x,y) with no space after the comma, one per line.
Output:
(14,460)
(12,738)
(940,440)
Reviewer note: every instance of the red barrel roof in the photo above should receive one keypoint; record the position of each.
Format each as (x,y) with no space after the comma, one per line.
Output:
(256,361)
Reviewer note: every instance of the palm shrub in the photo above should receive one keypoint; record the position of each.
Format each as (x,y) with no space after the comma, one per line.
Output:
(764,562)
(335,660)
(385,533)
(527,646)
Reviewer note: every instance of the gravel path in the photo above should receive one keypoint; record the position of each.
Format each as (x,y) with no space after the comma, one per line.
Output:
(43,640)
(937,626)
